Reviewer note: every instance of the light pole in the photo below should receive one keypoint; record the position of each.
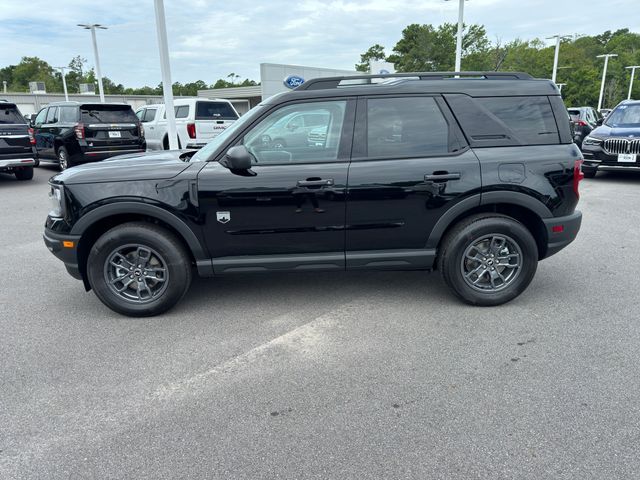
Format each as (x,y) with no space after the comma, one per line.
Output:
(555,56)
(64,82)
(458,66)
(604,75)
(93,27)
(560,85)
(633,73)
(165,68)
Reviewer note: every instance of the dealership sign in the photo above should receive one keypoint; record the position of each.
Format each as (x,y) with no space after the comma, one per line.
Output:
(293,81)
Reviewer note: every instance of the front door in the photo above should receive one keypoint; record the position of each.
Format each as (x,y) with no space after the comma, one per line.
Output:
(288,211)
(410,165)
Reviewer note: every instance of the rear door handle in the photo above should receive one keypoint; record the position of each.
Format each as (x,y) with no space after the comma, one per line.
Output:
(443,177)
(315,183)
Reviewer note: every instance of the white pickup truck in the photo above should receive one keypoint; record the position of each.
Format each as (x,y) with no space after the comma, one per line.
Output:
(198,120)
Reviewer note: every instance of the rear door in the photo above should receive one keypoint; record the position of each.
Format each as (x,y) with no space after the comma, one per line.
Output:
(14,133)
(211,118)
(110,126)
(410,165)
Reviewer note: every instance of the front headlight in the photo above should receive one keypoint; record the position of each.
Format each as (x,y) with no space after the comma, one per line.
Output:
(56,197)
(589,140)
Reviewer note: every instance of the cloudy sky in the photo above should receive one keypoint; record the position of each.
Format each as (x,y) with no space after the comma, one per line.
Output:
(208,39)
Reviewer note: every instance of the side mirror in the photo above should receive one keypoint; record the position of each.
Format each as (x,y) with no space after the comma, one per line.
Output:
(238,158)
(599,121)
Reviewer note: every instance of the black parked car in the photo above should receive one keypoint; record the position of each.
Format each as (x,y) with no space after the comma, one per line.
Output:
(71,133)
(17,151)
(476,177)
(584,120)
(616,144)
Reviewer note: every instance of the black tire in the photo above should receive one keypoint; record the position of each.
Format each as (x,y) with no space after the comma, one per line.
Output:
(165,143)
(37,162)
(24,173)
(589,172)
(478,230)
(162,246)
(64,160)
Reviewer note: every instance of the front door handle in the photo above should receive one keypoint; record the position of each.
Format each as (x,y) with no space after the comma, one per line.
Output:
(442,177)
(315,183)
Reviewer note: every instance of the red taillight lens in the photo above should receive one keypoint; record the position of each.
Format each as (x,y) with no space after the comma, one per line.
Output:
(191,130)
(79,129)
(32,139)
(141,131)
(577,176)
(582,123)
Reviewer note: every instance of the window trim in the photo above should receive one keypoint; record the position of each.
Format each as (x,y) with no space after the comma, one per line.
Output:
(346,136)
(457,142)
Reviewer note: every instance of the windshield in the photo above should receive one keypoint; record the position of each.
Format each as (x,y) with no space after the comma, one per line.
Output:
(206,152)
(624,116)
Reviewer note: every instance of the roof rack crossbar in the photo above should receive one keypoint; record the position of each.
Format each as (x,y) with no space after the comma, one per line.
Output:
(334,82)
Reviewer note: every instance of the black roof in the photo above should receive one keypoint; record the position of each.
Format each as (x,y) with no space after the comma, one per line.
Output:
(73,103)
(475,84)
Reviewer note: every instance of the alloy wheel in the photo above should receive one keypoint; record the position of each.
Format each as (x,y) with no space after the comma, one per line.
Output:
(491,263)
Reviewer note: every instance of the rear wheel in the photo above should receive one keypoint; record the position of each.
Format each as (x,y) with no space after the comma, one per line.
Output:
(24,173)
(63,158)
(139,269)
(488,259)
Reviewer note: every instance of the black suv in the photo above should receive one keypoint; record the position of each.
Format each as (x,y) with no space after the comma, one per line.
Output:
(17,153)
(615,145)
(475,176)
(71,132)
(584,120)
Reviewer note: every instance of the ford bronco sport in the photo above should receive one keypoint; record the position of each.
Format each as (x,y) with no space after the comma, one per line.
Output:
(473,174)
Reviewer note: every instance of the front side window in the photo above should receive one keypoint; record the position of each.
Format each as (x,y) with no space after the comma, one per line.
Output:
(406,127)
(282,136)
(40,118)
(140,114)
(182,111)
(150,114)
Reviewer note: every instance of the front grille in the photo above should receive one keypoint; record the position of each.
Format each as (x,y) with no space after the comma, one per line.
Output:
(621,145)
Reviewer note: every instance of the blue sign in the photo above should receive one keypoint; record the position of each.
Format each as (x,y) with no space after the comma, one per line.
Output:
(293,81)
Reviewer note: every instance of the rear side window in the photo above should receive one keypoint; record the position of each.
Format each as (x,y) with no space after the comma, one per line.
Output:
(68,114)
(150,115)
(406,127)
(215,111)
(10,115)
(107,114)
(529,118)
(52,115)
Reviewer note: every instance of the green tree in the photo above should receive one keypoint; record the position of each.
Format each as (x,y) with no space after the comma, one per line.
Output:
(374,53)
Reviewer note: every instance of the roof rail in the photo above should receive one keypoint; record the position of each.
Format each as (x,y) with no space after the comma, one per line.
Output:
(334,82)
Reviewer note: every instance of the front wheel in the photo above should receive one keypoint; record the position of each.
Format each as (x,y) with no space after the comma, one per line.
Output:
(488,259)
(139,269)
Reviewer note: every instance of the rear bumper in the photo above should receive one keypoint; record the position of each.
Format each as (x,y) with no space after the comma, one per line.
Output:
(90,155)
(16,163)
(55,242)
(561,231)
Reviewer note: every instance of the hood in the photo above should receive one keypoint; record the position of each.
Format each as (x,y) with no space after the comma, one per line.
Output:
(139,166)
(607,131)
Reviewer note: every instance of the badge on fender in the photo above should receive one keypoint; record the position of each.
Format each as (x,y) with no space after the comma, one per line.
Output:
(223,217)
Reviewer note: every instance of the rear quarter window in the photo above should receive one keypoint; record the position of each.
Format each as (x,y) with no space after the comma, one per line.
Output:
(10,115)
(215,111)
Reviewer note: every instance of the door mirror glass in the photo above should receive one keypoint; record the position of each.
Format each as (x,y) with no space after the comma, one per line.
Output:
(238,158)
(599,122)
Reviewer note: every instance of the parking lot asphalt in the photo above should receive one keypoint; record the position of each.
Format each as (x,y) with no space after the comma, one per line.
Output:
(354,375)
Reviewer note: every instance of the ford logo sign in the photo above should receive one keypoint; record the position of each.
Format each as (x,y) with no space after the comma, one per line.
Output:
(293,81)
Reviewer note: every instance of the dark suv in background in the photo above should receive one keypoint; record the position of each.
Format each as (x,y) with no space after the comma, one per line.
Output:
(584,120)
(71,133)
(475,176)
(17,151)
(615,145)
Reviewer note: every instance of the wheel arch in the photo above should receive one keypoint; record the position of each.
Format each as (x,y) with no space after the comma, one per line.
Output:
(98,221)
(521,207)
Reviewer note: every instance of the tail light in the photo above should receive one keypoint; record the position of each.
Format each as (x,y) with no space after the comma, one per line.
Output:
(581,123)
(79,129)
(191,130)
(141,131)
(32,139)
(577,176)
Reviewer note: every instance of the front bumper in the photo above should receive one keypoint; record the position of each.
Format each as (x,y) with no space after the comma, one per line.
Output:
(561,231)
(596,158)
(65,248)
(16,163)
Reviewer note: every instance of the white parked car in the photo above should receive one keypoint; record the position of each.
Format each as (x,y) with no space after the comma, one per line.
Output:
(198,120)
